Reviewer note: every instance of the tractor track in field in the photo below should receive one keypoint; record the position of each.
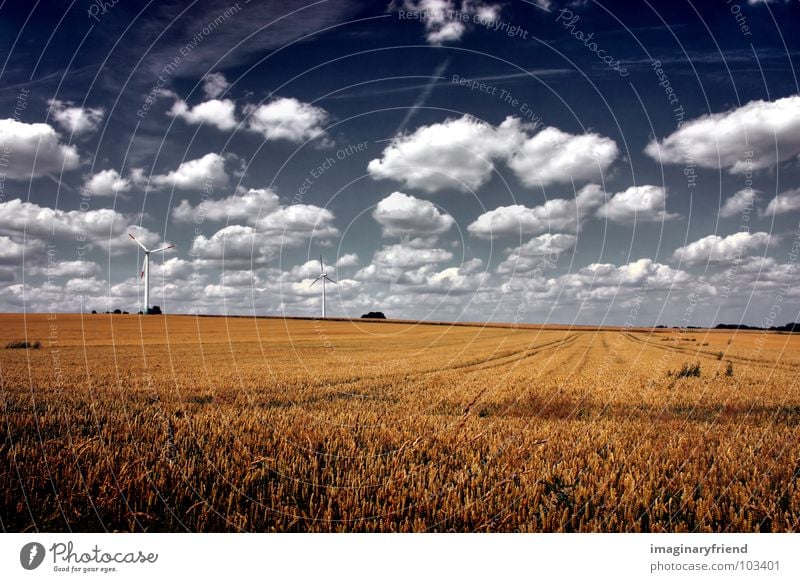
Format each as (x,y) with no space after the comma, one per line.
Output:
(467,367)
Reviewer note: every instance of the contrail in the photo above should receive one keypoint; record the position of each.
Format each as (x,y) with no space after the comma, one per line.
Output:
(423,97)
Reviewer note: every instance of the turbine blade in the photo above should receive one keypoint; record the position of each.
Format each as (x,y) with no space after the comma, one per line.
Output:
(321,266)
(315,280)
(331,280)
(163,248)
(143,263)
(137,241)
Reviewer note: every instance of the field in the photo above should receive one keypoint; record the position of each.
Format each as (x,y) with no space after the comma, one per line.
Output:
(176,423)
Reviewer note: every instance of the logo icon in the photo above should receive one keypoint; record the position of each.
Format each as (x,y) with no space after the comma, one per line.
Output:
(31,555)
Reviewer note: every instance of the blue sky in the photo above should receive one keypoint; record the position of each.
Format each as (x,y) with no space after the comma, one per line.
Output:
(566,162)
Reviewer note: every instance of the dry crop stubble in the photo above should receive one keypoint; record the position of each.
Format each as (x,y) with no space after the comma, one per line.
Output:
(294,425)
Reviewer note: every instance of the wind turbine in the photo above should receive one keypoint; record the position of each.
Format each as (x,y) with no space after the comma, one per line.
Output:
(146,270)
(324,277)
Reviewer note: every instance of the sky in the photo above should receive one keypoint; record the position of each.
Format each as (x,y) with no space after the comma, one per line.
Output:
(558,161)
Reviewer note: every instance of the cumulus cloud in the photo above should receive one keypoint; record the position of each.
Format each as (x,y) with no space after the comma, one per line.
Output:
(195,174)
(220,113)
(444,19)
(296,223)
(714,249)
(107,183)
(288,226)
(527,257)
(13,252)
(103,227)
(269,225)
(347,260)
(236,244)
(404,215)
(552,156)
(67,269)
(35,150)
(739,202)
(784,203)
(637,204)
(757,135)
(245,204)
(605,282)
(214,85)
(172,268)
(554,215)
(288,119)
(456,153)
(449,281)
(407,262)
(74,119)
(461,153)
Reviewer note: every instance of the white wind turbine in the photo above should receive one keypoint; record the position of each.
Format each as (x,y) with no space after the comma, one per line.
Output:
(146,270)
(324,277)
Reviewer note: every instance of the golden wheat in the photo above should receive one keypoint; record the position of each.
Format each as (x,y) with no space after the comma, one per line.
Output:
(211,424)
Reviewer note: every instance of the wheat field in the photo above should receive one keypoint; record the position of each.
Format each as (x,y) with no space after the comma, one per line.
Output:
(180,423)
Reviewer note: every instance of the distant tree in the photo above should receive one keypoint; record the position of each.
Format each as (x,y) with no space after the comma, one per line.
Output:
(117,312)
(94,312)
(139,313)
(374,315)
(124,313)
(154,310)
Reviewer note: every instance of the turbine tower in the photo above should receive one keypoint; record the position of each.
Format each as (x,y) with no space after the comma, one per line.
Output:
(146,270)
(324,277)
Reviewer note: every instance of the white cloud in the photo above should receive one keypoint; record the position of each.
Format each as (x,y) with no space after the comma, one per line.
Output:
(235,244)
(287,119)
(449,281)
(784,203)
(74,119)
(604,282)
(552,156)
(554,215)
(738,203)
(13,252)
(770,130)
(456,153)
(404,215)
(533,253)
(282,226)
(107,183)
(172,268)
(103,227)
(247,205)
(637,204)
(67,269)
(208,171)
(214,85)
(445,20)
(408,262)
(715,249)
(461,153)
(219,113)
(296,223)
(404,256)
(347,260)
(35,143)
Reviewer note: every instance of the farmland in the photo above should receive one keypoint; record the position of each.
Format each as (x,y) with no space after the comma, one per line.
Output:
(177,423)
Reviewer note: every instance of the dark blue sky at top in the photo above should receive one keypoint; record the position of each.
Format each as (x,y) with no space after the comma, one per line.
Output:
(367,67)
